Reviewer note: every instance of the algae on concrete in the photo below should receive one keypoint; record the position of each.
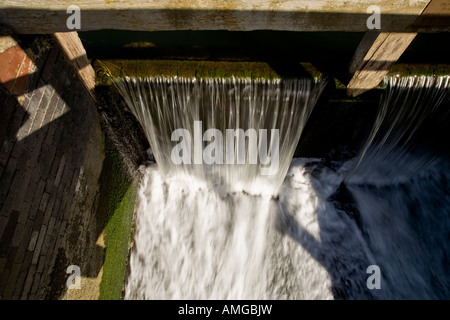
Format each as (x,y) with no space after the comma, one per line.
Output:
(116,203)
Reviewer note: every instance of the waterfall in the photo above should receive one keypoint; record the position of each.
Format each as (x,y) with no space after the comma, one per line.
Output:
(247,117)
(313,229)
(400,188)
(412,119)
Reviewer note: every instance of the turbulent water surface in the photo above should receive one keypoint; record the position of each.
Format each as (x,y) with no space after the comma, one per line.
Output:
(313,235)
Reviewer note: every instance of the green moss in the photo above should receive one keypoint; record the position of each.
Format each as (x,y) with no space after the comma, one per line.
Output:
(404,69)
(192,68)
(117,200)
(312,70)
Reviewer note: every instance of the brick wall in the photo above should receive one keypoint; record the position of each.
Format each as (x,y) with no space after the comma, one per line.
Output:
(51,155)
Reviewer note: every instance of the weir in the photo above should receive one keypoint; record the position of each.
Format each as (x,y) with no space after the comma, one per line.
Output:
(173,109)
(228,232)
(409,131)
(218,163)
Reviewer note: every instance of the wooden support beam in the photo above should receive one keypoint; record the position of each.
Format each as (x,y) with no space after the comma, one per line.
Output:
(76,56)
(436,15)
(50,16)
(373,58)
(378,51)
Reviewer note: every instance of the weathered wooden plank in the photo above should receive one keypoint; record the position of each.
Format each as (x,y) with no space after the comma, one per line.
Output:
(378,51)
(375,55)
(76,55)
(49,16)
(436,15)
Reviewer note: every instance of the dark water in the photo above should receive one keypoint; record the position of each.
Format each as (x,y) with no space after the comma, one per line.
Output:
(399,189)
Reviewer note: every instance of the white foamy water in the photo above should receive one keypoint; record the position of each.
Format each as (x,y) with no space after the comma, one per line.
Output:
(195,241)
(312,233)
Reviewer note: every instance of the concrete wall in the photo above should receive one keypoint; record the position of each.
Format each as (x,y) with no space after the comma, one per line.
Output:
(48,16)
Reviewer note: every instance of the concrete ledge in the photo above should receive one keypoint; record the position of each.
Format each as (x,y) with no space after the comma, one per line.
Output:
(49,16)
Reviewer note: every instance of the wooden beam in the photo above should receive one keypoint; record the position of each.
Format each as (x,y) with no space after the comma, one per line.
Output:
(76,56)
(378,51)
(373,58)
(436,15)
(50,16)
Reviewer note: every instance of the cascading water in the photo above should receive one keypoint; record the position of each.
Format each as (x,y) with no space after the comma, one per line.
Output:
(223,231)
(400,185)
(413,118)
(227,124)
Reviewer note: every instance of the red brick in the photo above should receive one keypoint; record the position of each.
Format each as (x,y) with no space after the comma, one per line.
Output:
(22,77)
(49,155)
(16,66)
(38,52)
